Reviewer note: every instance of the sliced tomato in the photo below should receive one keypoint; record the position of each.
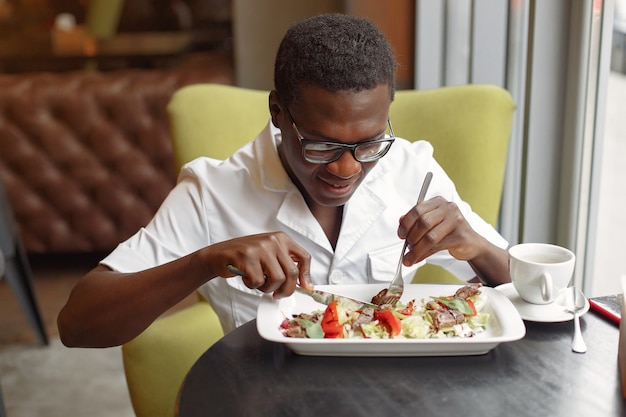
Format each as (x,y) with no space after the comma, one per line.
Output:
(470,303)
(330,322)
(392,324)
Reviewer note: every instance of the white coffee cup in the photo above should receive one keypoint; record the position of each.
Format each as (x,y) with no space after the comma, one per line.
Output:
(540,270)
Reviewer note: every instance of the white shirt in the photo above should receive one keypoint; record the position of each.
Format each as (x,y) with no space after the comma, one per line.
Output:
(251,193)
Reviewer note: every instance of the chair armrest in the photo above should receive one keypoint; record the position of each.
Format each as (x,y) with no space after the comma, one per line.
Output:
(157,361)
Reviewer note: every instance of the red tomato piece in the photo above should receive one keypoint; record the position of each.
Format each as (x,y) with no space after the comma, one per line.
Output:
(392,324)
(330,322)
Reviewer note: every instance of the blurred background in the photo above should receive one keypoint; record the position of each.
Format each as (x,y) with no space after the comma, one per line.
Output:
(85,157)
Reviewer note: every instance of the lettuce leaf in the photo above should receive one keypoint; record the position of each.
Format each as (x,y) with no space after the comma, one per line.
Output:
(455,304)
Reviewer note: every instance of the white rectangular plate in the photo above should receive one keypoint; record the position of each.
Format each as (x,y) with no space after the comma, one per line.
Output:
(505,324)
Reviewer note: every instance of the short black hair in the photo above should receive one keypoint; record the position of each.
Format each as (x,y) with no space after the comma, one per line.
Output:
(336,52)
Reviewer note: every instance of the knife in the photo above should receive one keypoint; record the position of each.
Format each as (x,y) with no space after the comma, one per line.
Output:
(322,297)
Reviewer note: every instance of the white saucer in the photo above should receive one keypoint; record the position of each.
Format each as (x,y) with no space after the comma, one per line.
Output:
(546,313)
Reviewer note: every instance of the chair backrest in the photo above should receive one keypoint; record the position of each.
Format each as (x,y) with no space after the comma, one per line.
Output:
(215,120)
(469,127)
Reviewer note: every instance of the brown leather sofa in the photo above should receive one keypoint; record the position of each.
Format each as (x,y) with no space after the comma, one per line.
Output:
(86,157)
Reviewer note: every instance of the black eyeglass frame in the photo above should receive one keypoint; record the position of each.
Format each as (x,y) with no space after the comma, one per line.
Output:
(343,146)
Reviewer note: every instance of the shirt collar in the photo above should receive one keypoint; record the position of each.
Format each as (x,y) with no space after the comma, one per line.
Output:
(270,168)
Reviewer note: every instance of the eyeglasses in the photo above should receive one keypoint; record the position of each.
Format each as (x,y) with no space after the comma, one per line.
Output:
(320,152)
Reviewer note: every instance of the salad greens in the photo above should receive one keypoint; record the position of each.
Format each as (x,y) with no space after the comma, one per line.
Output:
(458,315)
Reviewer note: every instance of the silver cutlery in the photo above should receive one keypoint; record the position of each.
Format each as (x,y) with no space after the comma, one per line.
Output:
(325,297)
(396,288)
(575,304)
(322,297)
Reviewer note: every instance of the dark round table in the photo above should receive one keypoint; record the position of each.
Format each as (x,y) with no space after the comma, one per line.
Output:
(244,375)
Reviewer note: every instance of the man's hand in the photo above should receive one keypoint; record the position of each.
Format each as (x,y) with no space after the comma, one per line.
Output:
(270,262)
(437,224)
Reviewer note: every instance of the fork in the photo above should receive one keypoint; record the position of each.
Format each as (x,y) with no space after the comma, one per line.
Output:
(396,288)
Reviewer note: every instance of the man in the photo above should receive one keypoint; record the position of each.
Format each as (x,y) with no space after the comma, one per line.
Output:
(322,195)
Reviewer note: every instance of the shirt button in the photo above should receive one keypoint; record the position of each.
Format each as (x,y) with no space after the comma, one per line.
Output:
(335,277)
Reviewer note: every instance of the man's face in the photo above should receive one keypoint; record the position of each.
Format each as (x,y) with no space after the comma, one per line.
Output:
(342,117)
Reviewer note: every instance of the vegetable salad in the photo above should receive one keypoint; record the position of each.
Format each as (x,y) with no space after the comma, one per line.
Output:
(458,315)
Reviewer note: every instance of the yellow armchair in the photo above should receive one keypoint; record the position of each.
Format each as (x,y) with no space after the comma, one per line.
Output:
(215,120)
(469,127)
(156,361)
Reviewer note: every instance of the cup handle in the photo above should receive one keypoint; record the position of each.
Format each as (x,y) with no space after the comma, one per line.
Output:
(547,292)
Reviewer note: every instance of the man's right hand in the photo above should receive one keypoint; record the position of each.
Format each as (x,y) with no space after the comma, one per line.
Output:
(271,262)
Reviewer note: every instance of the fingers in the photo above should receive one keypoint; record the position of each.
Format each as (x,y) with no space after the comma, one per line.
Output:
(304,276)
(281,274)
(300,272)
(421,218)
(435,225)
(270,262)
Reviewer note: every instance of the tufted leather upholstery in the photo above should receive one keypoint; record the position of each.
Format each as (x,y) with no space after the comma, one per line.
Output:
(86,158)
